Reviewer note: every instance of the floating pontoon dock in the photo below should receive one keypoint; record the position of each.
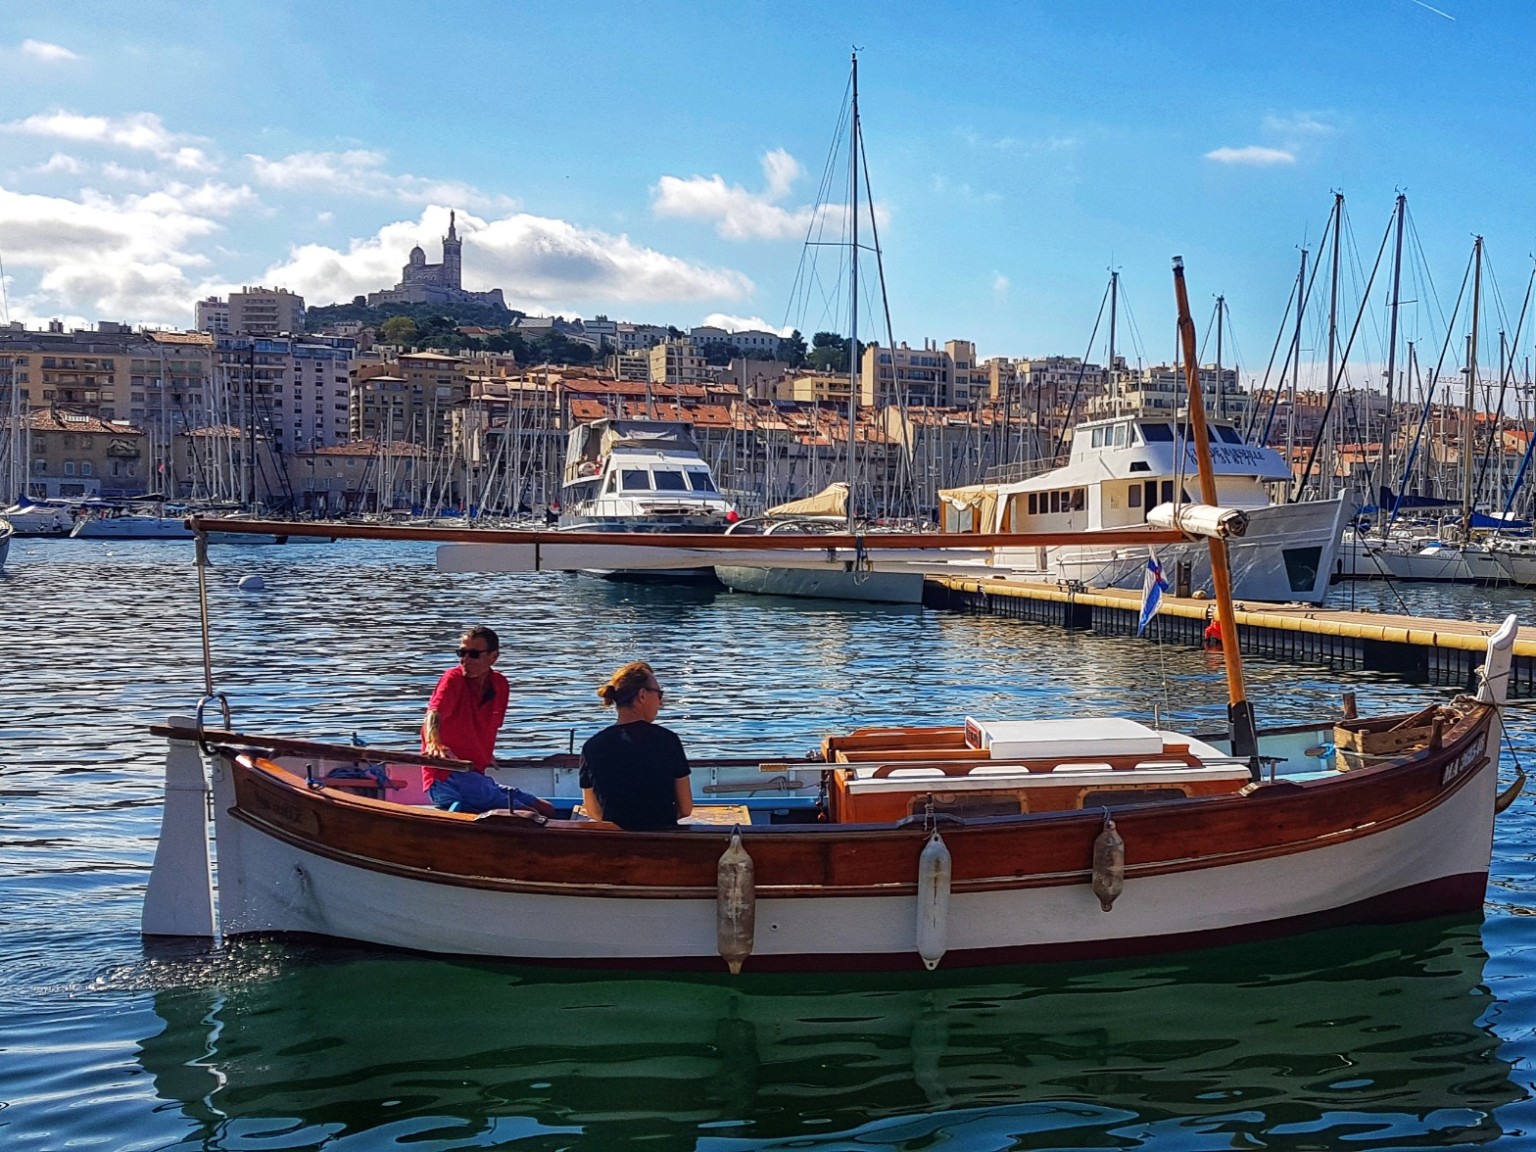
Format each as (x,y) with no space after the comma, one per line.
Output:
(1423,648)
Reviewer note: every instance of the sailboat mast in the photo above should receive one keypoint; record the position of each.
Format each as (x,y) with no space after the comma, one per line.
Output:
(1386,424)
(1221,393)
(853,296)
(1290,424)
(1333,323)
(1114,377)
(1244,732)
(1467,421)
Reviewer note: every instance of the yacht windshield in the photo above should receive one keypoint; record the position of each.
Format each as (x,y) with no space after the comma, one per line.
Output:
(636,480)
(700,480)
(669,480)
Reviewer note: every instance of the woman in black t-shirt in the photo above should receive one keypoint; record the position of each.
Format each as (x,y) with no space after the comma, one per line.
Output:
(634,772)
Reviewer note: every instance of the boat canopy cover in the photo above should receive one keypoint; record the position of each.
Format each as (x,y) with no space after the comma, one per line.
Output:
(589,443)
(980,500)
(830,501)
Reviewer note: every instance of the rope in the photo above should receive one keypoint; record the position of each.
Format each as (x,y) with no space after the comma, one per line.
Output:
(200,538)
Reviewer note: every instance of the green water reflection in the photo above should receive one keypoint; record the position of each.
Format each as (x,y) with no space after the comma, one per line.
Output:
(1366,1037)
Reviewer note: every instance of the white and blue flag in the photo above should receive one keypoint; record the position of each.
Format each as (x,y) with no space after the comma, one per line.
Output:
(1153,585)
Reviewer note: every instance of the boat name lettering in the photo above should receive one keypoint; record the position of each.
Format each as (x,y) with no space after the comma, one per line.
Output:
(1231,454)
(290,814)
(1472,755)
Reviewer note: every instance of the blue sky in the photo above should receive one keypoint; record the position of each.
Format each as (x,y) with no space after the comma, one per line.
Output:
(654,162)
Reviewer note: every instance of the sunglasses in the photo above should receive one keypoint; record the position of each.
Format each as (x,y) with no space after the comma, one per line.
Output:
(661,694)
(475,652)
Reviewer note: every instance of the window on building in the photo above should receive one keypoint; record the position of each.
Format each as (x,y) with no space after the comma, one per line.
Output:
(69,467)
(85,467)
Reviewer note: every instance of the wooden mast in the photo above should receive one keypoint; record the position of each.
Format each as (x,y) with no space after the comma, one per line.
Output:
(1239,711)
(853,307)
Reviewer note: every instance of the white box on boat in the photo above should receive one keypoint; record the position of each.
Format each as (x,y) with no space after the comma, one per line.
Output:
(1088,736)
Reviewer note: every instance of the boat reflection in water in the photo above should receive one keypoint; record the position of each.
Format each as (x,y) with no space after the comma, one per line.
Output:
(1259,1045)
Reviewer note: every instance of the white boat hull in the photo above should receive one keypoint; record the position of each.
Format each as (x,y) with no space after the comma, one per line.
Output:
(866,587)
(269,885)
(39,520)
(1446,564)
(1287,554)
(132,528)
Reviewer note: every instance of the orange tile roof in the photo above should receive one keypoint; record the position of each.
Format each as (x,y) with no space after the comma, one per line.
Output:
(64,420)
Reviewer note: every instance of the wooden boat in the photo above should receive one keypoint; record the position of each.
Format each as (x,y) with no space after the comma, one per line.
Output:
(970,843)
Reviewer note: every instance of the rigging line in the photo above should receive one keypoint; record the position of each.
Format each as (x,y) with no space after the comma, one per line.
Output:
(817,225)
(1293,352)
(909,497)
(1077,385)
(1429,393)
(1333,385)
(1496,411)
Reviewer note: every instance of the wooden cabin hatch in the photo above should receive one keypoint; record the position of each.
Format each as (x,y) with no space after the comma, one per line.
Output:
(990,768)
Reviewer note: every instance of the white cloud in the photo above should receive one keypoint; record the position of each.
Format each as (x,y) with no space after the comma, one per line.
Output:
(738,214)
(104,256)
(743,324)
(540,263)
(1297,125)
(61,162)
(50,53)
(349,171)
(362,172)
(1252,156)
(1000,284)
(140,132)
(1042,146)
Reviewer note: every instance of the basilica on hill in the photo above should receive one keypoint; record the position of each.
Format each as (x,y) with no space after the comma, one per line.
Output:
(423,283)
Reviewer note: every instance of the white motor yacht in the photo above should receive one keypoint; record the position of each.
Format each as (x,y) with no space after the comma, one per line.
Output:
(626,475)
(33,518)
(1119,470)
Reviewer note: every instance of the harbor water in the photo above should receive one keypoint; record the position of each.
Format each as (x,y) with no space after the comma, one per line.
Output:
(1420,1036)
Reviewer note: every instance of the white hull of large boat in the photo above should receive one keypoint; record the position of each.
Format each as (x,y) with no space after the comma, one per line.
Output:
(867,587)
(1446,564)
(268,885)
(1520,567)
(132,528)
(1287,554)
(39,520)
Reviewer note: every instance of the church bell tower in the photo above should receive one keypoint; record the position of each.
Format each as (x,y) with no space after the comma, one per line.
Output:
(453,265)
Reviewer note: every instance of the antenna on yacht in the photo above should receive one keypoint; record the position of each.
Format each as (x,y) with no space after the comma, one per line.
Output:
(1240,722)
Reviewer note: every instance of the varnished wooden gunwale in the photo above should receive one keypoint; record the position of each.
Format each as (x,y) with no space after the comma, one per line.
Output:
(1039,850)
(720,541)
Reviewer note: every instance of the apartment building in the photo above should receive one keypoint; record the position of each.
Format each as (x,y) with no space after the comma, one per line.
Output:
(320,414)
(265,312)
(212,315)
(903,375)
(678,362)
(747,341)
(80,457)
(1161,389)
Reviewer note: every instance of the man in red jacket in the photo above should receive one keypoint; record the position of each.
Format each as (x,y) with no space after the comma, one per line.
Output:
(462,721)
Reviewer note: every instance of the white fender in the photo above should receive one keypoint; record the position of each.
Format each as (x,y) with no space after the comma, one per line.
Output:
(735,904)
(179,901)
(934,868)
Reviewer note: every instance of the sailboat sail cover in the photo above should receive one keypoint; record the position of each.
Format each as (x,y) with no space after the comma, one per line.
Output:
(830,501)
